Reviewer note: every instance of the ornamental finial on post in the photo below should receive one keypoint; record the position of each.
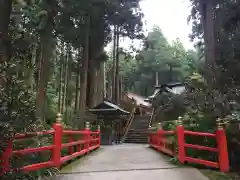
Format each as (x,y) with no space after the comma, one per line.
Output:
(59,118)
(87,125)
(180,121)
(219,123)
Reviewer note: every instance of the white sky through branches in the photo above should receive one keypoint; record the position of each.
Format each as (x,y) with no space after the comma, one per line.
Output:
(170,15)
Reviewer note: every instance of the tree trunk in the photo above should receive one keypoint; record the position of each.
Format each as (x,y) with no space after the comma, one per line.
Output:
(114,65)
(109,92)
(121,88)
(60,87)
(98,88)
(48,44)
(170,73)
(100,84)
(65,82)
(31,71)
(91,84)
(84,73)
(63,55)
(104,81)
(116,86)
(77,93)
(93,73)
(68,79)
(5,43)
(208,25)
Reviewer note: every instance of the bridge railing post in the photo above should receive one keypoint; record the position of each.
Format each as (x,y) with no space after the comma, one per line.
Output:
(87,136)
(57,141)
(222,147)
(181,140)
(5,158)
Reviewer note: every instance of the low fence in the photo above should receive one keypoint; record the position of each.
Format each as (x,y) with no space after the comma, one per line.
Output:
(85,142)
(159,141)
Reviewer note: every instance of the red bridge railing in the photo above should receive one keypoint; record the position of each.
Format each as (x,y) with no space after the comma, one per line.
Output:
(86,142)
(160,142)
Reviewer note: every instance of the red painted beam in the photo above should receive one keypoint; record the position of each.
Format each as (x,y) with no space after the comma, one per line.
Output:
(211,149)
(38,166)
(96,132)
(74,155)
(199,134)
(165,141)
(95,139)
(203,162)
(73,143)
(68,132)
(32,134)
(168,132)
(93,147)
(32,150)
(91,141)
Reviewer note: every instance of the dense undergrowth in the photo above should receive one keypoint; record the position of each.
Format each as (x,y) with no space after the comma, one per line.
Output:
(17,114)
(201,109)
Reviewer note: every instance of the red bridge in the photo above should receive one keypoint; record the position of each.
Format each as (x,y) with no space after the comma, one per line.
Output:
(125,161)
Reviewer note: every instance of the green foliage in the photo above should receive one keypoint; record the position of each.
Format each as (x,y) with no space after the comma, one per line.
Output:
(53,31)
(169,106)
(172,62)
(51,106)
(227,36)
(17,107)
(197,109)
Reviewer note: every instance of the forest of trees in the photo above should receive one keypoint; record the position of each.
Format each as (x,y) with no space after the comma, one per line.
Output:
(172,62)
(52,60)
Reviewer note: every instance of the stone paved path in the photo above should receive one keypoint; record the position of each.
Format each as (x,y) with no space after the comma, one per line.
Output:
(128,162)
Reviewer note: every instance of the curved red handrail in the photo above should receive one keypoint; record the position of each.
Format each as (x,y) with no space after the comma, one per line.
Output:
(199,134)
(32,134)
(86,141)
(158,141)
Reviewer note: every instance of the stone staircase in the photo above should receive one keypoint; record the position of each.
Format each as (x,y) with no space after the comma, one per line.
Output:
(138,131)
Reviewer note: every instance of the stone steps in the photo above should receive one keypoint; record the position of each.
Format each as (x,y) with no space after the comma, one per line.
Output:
(138,131)
(136,140)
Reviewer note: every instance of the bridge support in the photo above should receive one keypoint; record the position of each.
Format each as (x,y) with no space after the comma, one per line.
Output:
(90,141)
(57,141)
(222,147)
(181,141)
(158,141)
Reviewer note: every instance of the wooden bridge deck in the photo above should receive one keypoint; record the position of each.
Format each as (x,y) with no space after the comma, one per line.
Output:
(127,162)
